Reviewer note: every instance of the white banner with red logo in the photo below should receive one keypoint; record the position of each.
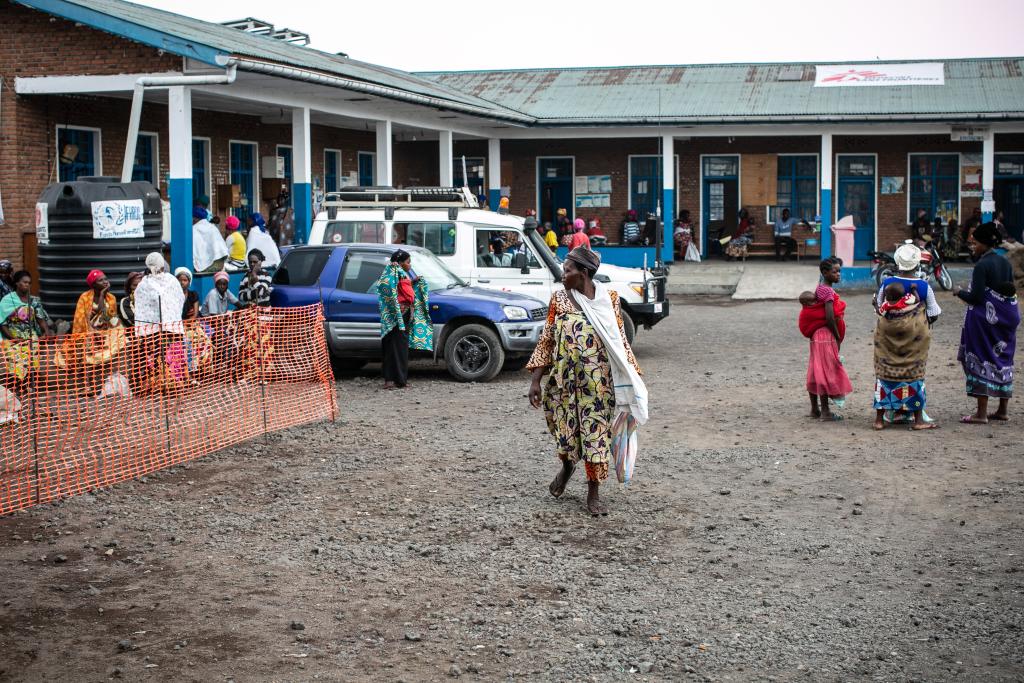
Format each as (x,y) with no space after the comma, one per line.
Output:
(861,75)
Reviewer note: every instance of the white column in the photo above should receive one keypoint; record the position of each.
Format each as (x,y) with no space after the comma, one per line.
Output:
(302,174)
(384,153)
(179,125)
(445,178)
(988,171)
(493,173)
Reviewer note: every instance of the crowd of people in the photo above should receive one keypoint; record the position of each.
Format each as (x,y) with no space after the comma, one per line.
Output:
(906,308)
(157,333)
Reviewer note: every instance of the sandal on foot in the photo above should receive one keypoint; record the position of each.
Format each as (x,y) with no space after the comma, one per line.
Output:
(556,491)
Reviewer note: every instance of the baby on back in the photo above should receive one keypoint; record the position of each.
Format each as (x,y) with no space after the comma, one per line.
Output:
(813,317)
(898,299)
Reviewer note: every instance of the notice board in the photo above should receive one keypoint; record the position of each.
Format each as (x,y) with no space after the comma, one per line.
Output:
(758,179)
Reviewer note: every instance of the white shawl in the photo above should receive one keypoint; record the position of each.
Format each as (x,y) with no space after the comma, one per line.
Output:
(630,392)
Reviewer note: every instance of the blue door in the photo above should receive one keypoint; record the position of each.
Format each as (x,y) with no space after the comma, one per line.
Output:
(720,201)
(243,174)
(366,170)
(555,187)
(856,197)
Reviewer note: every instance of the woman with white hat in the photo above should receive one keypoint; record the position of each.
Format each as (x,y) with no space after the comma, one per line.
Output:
(902,341)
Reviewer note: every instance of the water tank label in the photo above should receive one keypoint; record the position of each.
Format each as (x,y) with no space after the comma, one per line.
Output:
(42,223)
(118,219)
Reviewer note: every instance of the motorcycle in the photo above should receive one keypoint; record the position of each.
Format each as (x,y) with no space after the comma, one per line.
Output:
(931,269)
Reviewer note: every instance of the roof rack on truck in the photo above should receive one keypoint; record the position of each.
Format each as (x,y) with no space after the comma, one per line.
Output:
(389,198)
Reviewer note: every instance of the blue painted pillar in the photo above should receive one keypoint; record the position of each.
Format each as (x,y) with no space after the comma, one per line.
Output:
(179,113)
(493,173)
(826,196)
(302,174)
(988,169)
(668,196)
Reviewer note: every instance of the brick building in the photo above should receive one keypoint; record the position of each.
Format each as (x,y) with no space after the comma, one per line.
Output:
(875,141)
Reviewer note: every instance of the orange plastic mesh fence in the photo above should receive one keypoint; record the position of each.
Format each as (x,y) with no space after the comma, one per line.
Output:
(84,411)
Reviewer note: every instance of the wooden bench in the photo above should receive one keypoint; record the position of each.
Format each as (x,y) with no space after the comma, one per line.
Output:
(764,242)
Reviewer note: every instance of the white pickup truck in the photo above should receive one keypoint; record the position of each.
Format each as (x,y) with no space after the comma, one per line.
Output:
(448,222)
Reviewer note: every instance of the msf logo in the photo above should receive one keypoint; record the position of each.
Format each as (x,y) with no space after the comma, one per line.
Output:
(853,75)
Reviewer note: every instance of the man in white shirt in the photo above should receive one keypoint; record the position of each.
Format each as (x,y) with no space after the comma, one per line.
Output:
(784,235)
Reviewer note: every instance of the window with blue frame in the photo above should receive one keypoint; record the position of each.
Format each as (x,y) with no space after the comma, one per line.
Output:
(797,187)
(644,184)
(200,173)
(332,170)
(78,153)
(286,154)
(144,167)
(243,174)
(934,185)
(475,167)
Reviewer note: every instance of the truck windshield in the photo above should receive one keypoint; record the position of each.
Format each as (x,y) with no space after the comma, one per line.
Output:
(427,266)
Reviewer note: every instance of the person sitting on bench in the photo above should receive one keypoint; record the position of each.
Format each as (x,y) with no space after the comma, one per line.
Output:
(784,235)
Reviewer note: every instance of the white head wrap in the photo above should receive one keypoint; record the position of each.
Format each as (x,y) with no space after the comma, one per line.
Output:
(183,269)
(155,263)
(908,257)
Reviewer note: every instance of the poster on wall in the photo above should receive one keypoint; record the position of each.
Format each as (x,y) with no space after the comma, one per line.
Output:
(970,175)
(892,184)
(598,200)
(117,219)
(42,223)
(593,184)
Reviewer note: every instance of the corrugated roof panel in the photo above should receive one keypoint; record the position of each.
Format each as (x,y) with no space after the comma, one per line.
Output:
(716,92)
(234,41)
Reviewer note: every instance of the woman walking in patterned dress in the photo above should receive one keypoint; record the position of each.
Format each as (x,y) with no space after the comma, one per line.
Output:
(591,372)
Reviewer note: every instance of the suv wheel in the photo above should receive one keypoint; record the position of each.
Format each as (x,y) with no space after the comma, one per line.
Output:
(473,353)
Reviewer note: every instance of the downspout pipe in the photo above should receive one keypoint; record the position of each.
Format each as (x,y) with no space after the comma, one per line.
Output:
(227,78)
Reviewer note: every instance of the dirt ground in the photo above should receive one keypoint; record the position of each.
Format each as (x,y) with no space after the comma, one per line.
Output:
(415,540)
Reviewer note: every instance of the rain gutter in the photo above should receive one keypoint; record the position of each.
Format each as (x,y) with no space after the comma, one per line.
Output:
(295,73)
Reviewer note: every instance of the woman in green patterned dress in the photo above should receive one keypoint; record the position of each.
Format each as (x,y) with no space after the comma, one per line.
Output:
(579,355)
(404,318)
(22,319)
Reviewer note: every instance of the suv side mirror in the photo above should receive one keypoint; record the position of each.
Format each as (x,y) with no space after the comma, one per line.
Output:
(521,263)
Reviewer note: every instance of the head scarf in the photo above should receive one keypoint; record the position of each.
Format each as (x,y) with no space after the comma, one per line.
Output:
(185,271)
(258,220)
(231,223)
(155,263)
(631,214)
(220,276)
(578,225)
(585,258)
(987,234)
(907,257)
(93,276)
(198,212)
(5,265)
(131,278)
(203,200)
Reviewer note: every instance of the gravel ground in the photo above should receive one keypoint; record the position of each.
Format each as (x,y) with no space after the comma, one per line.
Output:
(414,539)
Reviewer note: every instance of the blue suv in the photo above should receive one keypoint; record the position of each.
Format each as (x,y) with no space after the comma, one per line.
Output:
(478,332)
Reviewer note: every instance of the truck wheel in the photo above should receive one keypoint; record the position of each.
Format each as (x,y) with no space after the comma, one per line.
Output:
(473,353)
(629,326)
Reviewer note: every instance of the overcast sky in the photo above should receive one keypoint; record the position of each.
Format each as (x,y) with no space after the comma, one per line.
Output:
(409,35)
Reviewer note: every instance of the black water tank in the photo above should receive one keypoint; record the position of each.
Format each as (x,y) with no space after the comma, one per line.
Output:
(74,249)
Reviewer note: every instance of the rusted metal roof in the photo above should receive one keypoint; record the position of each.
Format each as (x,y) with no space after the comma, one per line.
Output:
(211,43)
(716,93)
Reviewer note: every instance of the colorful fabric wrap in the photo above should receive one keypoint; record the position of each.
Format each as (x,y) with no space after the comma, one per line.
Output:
(896,395)
(421,334)
(988,343)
